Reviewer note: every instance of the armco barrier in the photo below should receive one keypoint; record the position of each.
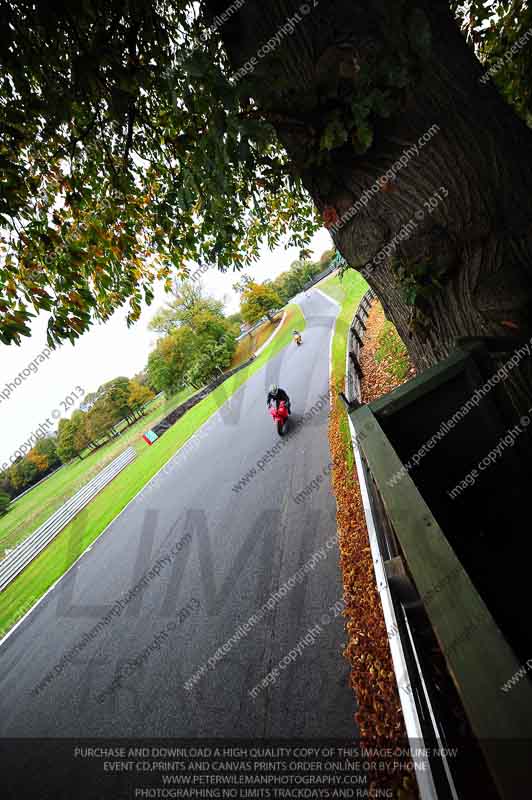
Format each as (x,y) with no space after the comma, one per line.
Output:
(19,558)
(167,422)
(259,323)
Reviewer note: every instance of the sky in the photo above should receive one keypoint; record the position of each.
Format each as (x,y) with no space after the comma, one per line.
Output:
(104,352)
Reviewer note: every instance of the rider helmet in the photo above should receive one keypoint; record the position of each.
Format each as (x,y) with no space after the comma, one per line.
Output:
(274,389)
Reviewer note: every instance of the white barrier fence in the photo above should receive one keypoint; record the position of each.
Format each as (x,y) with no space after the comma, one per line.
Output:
(19,558)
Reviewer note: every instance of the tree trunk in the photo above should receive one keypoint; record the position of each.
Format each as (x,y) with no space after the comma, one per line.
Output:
(476,243)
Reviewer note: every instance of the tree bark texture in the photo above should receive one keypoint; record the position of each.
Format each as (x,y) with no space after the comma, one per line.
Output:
(477,241)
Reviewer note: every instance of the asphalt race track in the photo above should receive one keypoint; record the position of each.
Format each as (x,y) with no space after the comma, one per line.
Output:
(215,556)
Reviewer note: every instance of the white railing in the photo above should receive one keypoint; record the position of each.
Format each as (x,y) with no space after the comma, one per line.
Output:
(19,558)
(353,393)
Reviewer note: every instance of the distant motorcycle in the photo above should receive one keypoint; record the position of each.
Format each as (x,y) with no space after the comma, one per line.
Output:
(280,416)
(298,340)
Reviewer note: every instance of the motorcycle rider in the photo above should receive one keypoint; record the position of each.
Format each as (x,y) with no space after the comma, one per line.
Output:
(296,335)
(275,395)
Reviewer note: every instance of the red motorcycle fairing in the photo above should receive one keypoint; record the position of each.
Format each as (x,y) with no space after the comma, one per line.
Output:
(280,415)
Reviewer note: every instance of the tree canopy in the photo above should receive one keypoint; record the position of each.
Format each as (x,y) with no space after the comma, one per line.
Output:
(258,300)
(126,155)
(169,361)
(499,32)
(199,341)
(115,401)
(299,274)
(189,299)
(5,500)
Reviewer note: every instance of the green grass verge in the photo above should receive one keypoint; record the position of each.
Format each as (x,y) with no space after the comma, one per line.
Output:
(335,286)
(76,537)
(26,514)
(348,291)
(392,351)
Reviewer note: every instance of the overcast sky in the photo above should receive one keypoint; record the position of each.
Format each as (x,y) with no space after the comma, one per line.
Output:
(106,351)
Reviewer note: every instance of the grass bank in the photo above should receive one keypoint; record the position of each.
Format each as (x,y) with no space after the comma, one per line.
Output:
(29,512)
(76,537)
(392,353)
(348,292)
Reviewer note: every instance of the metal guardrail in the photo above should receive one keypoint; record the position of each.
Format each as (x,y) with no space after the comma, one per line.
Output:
(19,558)
(416,714)
(450,657)
(353,373)
(319,277)
(259,323)
(416,708)
(438,608)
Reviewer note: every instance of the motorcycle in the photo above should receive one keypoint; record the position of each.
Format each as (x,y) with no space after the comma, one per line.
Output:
(298,340)
(280,416)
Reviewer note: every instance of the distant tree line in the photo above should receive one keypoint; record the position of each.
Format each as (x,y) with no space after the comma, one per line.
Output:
(118,400)
(299,274)
(31,468)
(259,300)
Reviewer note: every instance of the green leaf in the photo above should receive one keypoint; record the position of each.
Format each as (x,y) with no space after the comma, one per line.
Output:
(362,138)
(334,135)
(419,33)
